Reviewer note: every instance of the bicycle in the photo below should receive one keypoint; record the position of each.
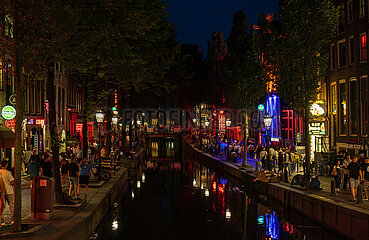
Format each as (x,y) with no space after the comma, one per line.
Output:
(101,173)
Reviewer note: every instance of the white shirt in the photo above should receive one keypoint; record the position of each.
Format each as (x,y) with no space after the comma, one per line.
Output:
(7,178)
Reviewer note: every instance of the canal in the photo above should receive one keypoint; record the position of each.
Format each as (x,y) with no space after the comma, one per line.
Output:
(185,200)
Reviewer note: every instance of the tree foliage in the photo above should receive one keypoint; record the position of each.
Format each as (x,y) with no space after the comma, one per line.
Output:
(122,45)
(307,27)
(245,84)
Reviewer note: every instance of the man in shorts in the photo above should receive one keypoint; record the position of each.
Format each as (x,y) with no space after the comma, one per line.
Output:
(354,169)
(73,171)
(84,175)
(365,178)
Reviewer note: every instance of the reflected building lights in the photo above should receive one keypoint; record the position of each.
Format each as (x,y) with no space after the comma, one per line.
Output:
(143,178)
(228,214)
(133,194)
(138,184)
(115,225)
(206,192)
(194,183)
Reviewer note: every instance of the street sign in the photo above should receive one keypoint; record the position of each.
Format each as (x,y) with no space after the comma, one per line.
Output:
(317,128)
(8,112)
(261,107)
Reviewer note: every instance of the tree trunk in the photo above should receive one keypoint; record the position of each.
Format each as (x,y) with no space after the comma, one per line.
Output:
(84,118)
(19,82)
(53,131)
(108,131)
(307,138)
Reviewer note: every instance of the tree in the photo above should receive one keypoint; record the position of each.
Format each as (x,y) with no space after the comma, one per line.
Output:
(245,84)
(307,27)
(216,67)
(27,43)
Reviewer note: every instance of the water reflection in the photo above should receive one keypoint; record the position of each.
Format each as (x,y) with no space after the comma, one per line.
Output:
(184,200)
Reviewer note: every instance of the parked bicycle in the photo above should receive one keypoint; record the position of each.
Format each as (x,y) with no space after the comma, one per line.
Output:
(101,173)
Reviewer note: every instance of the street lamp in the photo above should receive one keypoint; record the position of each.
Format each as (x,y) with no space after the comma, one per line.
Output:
(100,115)
(228,124)
(114,120)
(267,122)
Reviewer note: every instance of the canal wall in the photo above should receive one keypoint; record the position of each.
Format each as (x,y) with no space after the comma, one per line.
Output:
(349,220)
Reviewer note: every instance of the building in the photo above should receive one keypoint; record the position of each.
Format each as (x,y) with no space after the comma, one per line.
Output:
(347,78)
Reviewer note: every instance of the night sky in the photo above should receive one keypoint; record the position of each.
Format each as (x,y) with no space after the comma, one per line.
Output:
(196,19)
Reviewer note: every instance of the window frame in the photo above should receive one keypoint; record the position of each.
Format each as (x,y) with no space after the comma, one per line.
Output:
(361,48)
(340,132)
(333,59)
(348,11)
(338,53)
(351,43)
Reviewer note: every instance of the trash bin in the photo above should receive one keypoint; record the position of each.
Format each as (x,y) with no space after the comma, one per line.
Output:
(42,197)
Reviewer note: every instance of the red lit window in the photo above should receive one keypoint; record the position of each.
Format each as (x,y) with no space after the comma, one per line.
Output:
(363,47)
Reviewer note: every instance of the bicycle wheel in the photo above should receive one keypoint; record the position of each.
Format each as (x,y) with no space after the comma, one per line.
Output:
(105,175)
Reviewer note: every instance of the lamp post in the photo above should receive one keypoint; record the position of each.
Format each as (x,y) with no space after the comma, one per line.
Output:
(228,124)
(267,122)
(100,115)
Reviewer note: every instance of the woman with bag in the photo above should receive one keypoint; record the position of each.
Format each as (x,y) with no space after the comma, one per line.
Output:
(336,171)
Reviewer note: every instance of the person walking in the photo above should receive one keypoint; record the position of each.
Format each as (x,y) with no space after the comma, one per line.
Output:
(365,179)
(336,173)
(33,169)
(64,169)
(47,167)
(84,175)
(35,156)
(354,169)
(345,164)
(8,196)
(73,172)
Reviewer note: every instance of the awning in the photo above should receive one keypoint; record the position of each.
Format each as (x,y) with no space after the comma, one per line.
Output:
(7,137)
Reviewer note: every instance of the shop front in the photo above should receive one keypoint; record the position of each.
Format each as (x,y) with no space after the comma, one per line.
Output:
(34,134)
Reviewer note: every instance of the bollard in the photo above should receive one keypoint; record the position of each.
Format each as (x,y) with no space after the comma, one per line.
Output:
(285,175)
(359,197)
(257,166)
(333,188)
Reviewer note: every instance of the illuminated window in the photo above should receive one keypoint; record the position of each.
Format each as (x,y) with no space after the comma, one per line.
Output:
(350,11)
(343,107)
(351,50)
(342,54)
(363,47)
(362,8)
(334,98)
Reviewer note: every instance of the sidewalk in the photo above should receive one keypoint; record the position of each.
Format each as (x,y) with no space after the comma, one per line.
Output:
(65,218)
(325,184)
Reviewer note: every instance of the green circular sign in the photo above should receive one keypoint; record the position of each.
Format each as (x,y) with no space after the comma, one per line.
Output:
(261,107)
(8,112)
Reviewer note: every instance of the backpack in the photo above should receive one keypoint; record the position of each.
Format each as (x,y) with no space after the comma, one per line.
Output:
(67,199)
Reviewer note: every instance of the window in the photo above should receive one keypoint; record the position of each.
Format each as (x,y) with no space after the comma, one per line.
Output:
(351,50)
(362,8)
(350,11)
(8,28)
(343,107)
(59,105)
(1,75)
(333,57)
(63,106)
(334,98)
(363,47)
(341,53)
(364,105)
(354,107)
(341,19)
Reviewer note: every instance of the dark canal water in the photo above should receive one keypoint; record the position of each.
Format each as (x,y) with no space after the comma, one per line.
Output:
(182,200)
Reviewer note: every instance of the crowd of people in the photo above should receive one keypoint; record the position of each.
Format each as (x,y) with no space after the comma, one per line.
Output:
(349,171)
(277,159)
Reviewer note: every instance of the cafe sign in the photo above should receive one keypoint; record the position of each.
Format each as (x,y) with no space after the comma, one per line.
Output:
(8,112)
(317,128)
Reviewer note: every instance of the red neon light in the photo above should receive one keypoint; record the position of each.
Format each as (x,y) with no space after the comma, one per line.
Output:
(259,137)
(221,188)
(79,127)
(214,185)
